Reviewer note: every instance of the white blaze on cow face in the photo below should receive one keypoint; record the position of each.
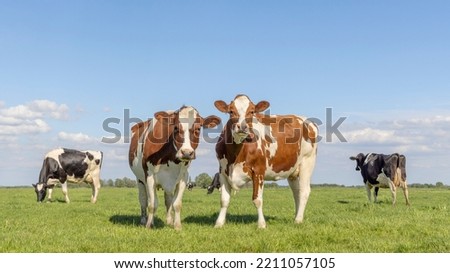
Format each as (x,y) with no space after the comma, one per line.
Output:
(240,129)
(187,127)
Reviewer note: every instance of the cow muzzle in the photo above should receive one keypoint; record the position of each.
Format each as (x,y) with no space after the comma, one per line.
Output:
(240,132)
(186,154)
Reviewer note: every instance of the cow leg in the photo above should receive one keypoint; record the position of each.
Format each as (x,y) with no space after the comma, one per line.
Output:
(301,189)
(65,192)
(95,189)
(375,194)
(50,191)
(257,198)
(168,199)
(152,200)
(143,201)
(368,189)
(393,192)
(225,196)
(405,192)
(177,203)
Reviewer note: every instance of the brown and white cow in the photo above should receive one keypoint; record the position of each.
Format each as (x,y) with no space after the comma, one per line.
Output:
(257,147)
(161,151)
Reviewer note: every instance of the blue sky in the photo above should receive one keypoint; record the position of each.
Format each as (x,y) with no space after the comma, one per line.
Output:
(67,66)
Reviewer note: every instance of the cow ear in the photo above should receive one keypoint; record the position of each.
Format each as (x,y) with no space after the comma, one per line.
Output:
(353,158)
(221,106)
(164,117)
(89,155)
(261,106)
(34,185)
(211,121)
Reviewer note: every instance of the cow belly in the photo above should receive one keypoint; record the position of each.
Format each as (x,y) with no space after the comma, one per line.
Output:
(383,180)
(78,180)
(167,176)
(271,175)
(137,170)
(237,178)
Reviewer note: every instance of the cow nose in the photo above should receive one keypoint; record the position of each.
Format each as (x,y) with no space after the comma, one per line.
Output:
(241,127)
(244,127)
(187,153)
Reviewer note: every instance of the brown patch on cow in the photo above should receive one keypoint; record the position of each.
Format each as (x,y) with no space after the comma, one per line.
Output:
(310,132)
(288,131)
(136,132)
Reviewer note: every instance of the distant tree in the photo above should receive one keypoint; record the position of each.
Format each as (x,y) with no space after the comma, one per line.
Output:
(271,185)
(129,183)
(119,183)
(439,184)
(110,183)
(203,180)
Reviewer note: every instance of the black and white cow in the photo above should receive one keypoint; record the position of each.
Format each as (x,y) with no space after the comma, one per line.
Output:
(67,165)
(383,171)
(215,183)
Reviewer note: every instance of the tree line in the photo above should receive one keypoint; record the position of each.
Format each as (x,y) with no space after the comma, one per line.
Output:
(203,180)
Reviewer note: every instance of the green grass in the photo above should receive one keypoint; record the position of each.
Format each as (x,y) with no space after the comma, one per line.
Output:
(337,220)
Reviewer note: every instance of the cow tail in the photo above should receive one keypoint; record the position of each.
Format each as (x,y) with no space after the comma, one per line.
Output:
(400,178)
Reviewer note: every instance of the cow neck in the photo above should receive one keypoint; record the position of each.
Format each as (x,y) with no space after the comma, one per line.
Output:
(234,150)
(166,153)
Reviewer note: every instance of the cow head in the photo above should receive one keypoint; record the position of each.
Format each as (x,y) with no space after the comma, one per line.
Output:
(41,191)
(359,160)
(242,115)
(184,129)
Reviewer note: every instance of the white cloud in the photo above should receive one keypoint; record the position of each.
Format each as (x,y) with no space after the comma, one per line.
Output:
(37,109)
(49,108)
(30,118)
(75,137)
(24,127)
(370,135)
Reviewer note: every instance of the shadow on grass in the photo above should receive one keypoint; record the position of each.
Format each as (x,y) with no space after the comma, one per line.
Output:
(231,218)
(133,220)
(62,200)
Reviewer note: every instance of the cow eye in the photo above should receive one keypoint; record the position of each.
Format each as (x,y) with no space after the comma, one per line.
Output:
(175,129)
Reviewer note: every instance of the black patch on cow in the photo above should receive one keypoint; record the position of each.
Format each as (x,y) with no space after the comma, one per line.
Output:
(72,162)
(165,154)
(50,169)
(402,166)
(90,156)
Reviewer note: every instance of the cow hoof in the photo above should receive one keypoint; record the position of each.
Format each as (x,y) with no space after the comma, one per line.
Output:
(219,225)
(177,227)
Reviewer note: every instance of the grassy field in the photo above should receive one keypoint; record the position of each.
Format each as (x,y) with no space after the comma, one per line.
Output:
(338,220)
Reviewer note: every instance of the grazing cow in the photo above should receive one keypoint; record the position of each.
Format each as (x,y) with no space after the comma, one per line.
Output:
(67,165)
(215,183)
(161,151)
(382,171)
(257,147)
